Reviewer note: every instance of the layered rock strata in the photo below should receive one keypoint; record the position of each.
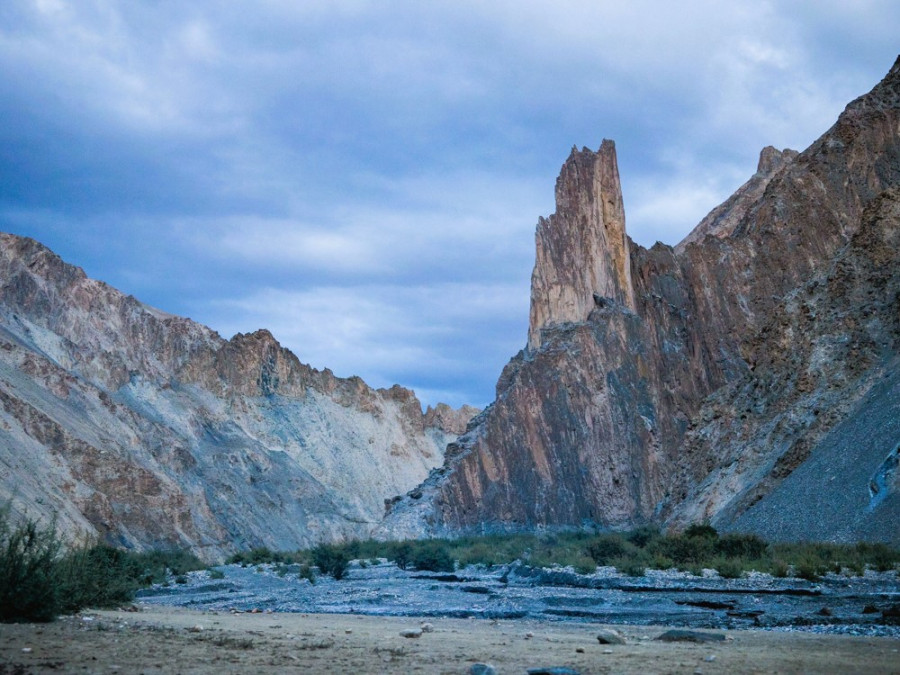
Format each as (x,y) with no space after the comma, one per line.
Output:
(149,430)
(670,385)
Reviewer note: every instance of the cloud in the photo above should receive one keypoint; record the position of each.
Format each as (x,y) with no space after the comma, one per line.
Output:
(448,337)
(250,166)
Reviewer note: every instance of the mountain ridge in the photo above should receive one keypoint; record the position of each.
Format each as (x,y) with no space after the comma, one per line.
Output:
(593,419)
(146,429)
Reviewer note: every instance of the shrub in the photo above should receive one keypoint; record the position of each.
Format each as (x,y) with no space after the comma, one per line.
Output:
(779,568)
(630,566)
(809,568)
(433,556)
(331,559)
(728,568)
(256,556)
(307,573)
(702,530)
(28,589)
(741,546)
(684,549)
(608,547)
(402,554)
(97,576)
(216,574)
(881,556)
(643,536)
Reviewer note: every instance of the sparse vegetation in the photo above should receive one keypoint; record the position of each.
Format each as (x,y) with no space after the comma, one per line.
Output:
(331,559)
(39,578)
(697,548)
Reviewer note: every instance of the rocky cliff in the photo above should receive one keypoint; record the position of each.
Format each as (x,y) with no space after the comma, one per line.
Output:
(149,430)
(712,380)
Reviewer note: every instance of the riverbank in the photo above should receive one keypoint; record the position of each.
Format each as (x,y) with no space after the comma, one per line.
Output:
(158,639)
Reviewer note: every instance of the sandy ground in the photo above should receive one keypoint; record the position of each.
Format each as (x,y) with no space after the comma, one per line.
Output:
(172,640)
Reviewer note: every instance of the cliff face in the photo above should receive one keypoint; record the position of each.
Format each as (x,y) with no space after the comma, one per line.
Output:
(582,249)
(150,430)
(675,384)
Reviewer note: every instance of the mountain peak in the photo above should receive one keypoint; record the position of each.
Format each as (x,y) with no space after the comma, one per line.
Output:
(582,249)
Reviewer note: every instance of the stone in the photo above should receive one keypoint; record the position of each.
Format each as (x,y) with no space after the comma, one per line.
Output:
(427,627)
(553,670)
(683,635)
(609,636)
(411,633)
(482,669)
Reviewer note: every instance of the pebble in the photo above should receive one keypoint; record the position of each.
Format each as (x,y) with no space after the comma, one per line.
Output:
(579,650)
(195,629)
(411,633)
(710,658)
(529,635)
(553,670)
(607,651)
(26,650)
(427,627)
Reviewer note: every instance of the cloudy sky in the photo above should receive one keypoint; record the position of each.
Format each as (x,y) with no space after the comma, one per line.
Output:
(364,178)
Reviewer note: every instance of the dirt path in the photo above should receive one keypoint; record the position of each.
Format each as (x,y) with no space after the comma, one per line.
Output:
(171,640)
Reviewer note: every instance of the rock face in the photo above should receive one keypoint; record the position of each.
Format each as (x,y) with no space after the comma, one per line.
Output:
(149,430)
(582,250)
(672,385)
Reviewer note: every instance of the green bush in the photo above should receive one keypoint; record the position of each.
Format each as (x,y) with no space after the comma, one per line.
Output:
(38,580)
(779,568)
(256,556)
(702,530)
(728,568)
(684,549)
(608,547)
(331,559)
(216,574)
(97,576)
(307,573)
(433,556)
(28,588)
(401,554)
(643,536)
(741,546)
(631,566)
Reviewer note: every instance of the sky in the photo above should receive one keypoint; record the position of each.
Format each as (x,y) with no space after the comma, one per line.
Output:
(364,179)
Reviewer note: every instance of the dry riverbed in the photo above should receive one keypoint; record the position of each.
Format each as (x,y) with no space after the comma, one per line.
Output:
(177,640)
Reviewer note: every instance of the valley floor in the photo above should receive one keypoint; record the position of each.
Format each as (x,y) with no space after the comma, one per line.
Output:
(177,640)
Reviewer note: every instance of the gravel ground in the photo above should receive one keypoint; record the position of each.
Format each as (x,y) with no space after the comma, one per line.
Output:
(158,639)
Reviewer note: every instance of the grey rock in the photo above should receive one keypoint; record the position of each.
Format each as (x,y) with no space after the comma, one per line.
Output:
(608,636)
(482,669)
(411,633)
(680,635)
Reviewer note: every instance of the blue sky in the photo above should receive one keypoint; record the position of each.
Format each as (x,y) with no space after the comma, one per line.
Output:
(364,178)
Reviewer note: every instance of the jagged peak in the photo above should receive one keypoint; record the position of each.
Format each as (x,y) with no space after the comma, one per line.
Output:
(582,249)
(771,159)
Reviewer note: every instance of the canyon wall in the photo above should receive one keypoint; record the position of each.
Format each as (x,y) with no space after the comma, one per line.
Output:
(145,429)
(673,385)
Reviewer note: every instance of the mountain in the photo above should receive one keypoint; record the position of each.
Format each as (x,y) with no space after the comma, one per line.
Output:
(146,430)
(748,376)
